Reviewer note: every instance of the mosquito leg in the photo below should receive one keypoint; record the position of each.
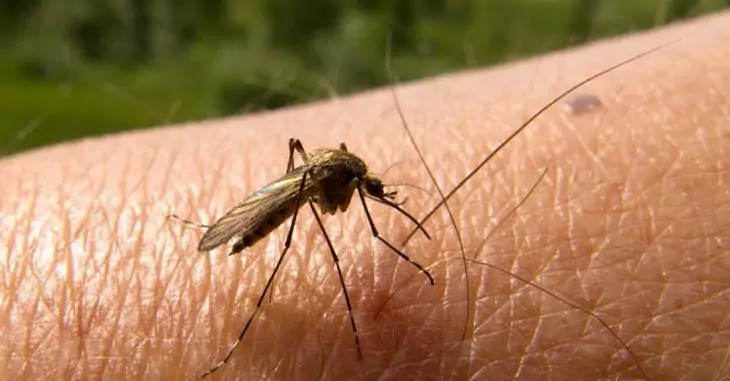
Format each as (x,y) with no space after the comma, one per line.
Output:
(402,211)
(187,222)
(296,144)
(386,243)
(342,279)
(290,161)
(287,244)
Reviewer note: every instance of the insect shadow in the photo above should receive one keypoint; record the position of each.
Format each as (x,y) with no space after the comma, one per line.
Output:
(328,178)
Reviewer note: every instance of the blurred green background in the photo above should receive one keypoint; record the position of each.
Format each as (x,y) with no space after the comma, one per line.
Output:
(73,68)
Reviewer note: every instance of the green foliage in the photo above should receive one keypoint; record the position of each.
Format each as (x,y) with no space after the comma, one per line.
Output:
(86,67)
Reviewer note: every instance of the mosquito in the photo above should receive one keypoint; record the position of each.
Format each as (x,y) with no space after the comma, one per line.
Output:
(328,178)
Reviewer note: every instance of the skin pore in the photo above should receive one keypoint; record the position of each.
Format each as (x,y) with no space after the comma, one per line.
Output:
(631,222)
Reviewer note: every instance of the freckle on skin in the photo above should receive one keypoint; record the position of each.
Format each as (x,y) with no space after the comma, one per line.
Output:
(582,103)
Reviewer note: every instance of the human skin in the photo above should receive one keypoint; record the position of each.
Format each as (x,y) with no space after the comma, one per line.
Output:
(631,222)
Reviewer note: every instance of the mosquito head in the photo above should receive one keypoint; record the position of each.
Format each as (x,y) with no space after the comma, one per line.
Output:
(375,187)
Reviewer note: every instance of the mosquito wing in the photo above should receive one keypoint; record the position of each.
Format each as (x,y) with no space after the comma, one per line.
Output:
(257,209)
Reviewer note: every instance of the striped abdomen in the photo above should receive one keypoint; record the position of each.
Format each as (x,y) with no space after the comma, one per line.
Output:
(264,227)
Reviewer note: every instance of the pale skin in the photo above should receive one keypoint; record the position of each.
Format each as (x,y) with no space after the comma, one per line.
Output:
(632,222)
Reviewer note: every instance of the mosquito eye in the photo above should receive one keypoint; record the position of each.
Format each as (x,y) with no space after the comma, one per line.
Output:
(374,188)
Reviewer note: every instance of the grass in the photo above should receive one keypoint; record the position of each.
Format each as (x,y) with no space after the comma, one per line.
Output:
(45,99)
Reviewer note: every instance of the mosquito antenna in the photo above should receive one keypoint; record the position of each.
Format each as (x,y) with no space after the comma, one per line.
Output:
(399,162)
(422,189)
